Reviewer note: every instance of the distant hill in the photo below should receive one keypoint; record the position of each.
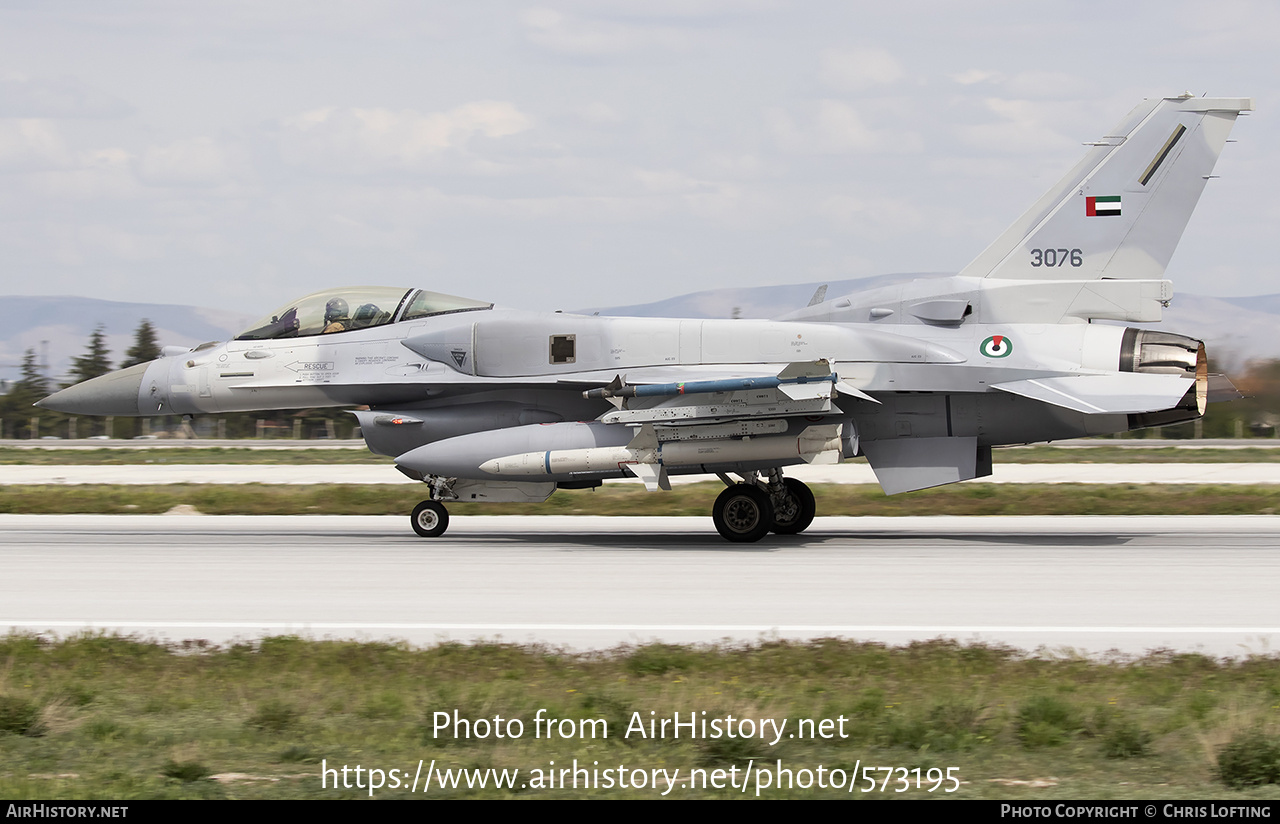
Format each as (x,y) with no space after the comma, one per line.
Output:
(1236,329)
(1261,303)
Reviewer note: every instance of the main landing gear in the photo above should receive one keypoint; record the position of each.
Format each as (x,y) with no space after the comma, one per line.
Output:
(746,512)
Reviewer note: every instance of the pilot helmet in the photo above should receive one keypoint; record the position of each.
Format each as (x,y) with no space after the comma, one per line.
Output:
(333,310)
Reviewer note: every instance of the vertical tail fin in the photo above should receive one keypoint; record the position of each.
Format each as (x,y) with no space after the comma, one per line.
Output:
(1121,211)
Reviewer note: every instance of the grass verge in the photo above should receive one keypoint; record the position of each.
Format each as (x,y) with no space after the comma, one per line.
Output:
(106,717)
(632,499)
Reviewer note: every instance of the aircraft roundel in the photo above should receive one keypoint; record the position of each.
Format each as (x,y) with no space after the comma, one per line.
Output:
(996,346)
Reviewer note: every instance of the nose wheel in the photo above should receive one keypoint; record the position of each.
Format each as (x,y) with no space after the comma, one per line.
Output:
(430,519)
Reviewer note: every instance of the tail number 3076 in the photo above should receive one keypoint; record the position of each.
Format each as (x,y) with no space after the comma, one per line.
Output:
(1056,257)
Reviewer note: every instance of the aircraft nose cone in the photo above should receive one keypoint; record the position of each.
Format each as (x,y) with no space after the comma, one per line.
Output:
(115,393)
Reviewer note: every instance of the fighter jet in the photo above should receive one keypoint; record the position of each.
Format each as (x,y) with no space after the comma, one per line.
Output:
(485,403)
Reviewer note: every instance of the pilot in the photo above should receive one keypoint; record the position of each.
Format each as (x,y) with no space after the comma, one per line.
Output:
(367,315)
(335,316)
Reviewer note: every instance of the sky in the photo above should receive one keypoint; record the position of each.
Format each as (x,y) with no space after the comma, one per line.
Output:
(555,155)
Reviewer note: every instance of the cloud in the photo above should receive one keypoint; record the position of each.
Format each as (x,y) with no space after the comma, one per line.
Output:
(582,37)
(62,97)
(1023,126)
(199,161)
(355,140)
(836,127)
(1035,85)
(1045,85)
(871,216)
(83,244)
(597,113)
(968,77)
(1234,26)
(31,144)
(98,174)
(859,69)
(670,182)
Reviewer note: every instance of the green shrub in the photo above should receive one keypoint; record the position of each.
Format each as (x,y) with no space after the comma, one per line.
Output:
(185,771)
(298,754)
(19,716)
(274,716)
(103,729)
(1250,759)
(658,659)
(1126,739)
(1046,721)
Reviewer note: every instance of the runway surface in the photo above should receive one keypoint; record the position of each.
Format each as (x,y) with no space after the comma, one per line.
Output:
(849,473)
(1092,584)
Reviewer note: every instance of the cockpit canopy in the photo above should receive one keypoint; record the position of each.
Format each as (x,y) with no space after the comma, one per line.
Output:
(354,307)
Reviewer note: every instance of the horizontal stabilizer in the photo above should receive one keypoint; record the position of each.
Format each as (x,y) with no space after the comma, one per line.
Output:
(1222,390)
(1104,394)
(907,464)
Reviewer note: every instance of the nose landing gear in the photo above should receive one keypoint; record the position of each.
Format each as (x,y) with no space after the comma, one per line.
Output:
(430,519)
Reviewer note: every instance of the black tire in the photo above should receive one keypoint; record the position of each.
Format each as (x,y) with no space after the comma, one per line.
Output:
(743,513)
(429,519)
(797,514)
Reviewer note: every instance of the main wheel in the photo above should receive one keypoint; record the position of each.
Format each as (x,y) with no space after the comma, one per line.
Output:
(743,513)
(796,513)
(430,519)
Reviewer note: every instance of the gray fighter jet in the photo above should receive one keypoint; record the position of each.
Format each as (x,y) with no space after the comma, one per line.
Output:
(483,403)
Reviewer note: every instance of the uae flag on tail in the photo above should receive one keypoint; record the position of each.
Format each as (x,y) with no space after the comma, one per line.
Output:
(1102,206)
